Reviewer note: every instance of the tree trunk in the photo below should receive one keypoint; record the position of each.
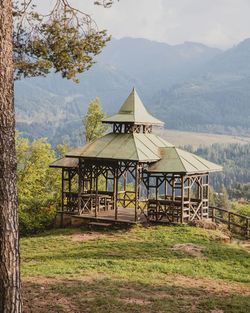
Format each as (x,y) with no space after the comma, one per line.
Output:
(10,301)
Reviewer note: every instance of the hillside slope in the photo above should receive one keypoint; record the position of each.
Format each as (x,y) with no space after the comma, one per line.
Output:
(155,269)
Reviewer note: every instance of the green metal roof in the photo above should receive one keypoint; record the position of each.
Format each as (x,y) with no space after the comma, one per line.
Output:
(133,111)
(137,147)
(143,147)
(65,163)
(174,160)
(162,156)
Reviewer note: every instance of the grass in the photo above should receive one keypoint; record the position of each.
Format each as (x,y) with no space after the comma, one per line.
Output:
(135,271)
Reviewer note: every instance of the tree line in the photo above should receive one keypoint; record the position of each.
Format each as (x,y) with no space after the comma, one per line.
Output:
(235,159)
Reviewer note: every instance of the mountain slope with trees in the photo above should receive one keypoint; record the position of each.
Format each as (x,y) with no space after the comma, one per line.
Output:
(216,100)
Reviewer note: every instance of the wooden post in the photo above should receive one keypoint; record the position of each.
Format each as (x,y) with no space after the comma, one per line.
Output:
(96,194)
(80,182)
(124,187)
(165,187)
(189,196)
(156,188)
(106,182)
(70,178)
(148,184)
(91,179)
(247,235)
(201,195)
(62,199)
(115,187)
(213,214)
(136,189)
(182,199)
(173,187)
(165,190)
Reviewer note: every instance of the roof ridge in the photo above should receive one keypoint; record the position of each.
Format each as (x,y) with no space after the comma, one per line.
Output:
(176,150)
(137,137)
(136,149)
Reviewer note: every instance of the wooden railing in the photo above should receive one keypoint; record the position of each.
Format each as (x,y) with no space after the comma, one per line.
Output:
(235,222)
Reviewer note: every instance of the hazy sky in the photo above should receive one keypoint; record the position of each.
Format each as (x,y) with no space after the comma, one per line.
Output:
(219,23)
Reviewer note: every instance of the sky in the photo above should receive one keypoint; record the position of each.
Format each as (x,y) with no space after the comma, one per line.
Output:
(216,23)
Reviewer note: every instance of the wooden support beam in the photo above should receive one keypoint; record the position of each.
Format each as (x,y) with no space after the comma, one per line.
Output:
(182,199)
(201,197)
(115,188)
(96,196)
(136,190)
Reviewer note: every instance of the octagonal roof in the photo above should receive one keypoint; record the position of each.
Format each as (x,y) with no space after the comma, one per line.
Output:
(133,111)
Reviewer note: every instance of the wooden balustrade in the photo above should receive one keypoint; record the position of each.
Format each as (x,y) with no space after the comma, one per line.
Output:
(236,222)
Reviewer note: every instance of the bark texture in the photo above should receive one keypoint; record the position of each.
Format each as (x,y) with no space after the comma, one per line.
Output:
(10,301)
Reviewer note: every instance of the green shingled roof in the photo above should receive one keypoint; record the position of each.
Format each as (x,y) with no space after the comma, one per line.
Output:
(174,160)
(162,156)
(133,111)
(133,146)
(65,163)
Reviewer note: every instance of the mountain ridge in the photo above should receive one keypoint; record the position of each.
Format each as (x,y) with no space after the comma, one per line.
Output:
(186,85)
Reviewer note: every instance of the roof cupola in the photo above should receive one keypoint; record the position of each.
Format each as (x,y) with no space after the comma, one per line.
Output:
(132,117)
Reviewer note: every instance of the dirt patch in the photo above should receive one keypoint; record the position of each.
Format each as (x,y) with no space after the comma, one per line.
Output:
(135,301)
(189,248)
(44,282)
(245,244)
(205,223)
(39,299)
(78,237)
(209,285)
(53,295)
(221,236)
(223,233)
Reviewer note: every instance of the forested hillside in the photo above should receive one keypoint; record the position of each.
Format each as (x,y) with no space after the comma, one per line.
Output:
(216,100)
(235,159)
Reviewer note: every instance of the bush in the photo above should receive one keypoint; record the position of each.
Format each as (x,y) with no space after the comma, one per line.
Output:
(38,185)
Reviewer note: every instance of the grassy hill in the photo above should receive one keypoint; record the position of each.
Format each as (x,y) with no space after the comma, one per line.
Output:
(155,269)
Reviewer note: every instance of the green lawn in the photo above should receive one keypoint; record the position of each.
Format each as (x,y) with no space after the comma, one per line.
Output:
(134,270)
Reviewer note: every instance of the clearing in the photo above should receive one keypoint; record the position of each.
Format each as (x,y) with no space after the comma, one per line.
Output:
(196,139)
(143,269)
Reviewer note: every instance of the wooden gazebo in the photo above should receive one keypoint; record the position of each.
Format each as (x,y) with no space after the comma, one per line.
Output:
(133,175)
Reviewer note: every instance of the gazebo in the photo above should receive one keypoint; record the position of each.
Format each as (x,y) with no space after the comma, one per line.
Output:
(132,175)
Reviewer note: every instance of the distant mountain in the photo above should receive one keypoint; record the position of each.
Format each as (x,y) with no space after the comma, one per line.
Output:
(189,86)
(216,99)
(54,107)
(156,65)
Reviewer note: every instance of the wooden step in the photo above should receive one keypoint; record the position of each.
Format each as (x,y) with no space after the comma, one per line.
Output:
(99,224)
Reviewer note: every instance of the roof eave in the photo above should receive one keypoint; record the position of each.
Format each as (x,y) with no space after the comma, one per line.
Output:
(133,122)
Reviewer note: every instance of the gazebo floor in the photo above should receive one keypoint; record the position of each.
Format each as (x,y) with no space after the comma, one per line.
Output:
(124,216)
